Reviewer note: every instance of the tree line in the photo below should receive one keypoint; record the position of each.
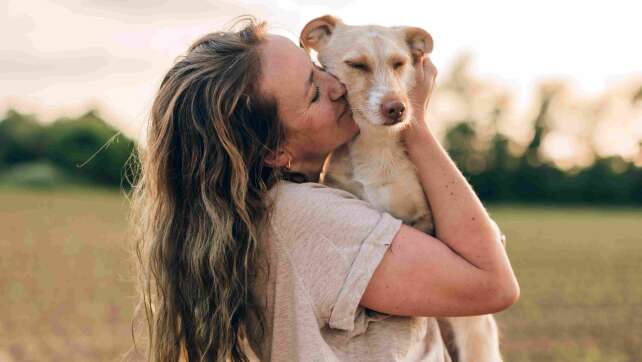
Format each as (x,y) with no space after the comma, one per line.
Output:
(488,159)
(87,150)
(82,150)
(498,175)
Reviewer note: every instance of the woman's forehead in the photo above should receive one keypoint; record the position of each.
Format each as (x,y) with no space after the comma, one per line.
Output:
(279,54)
(286,68)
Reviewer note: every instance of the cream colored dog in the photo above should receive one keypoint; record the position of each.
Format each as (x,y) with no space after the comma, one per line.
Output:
(376,65)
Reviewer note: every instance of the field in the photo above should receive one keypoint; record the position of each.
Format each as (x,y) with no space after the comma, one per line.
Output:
(67,289)
(580,272)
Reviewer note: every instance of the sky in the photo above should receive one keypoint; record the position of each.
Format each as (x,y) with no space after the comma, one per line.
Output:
(62,57)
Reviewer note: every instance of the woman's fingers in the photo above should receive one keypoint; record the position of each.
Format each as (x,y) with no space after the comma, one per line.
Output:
(425,74)
(419,68)
(428,72)
(430,69)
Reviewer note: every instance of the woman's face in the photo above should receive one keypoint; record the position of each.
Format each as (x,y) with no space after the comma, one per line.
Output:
(311,103)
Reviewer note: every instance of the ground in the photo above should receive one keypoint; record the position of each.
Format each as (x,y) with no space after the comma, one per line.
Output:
(66,279)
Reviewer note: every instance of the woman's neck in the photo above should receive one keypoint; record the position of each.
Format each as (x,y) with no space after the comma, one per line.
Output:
(309,167)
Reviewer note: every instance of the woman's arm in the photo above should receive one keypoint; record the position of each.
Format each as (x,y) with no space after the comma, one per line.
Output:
(461,221)
(465,269)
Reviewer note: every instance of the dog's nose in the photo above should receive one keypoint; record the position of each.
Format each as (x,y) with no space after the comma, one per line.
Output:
(392,111)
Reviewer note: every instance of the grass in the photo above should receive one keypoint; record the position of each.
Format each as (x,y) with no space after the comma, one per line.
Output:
(580,272)
(67,289)
(41,175)
(65,279)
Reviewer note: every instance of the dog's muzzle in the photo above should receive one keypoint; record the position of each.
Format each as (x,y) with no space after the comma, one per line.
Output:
(392,112)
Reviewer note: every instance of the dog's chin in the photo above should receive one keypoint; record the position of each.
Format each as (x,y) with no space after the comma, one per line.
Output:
(399,126)
(395,127)
(374,124)
(381,128)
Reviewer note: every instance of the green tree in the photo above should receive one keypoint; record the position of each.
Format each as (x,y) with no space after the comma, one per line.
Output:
(21,139)
(88,147)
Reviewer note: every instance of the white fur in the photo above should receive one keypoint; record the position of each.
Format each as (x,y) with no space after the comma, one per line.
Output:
(374,104)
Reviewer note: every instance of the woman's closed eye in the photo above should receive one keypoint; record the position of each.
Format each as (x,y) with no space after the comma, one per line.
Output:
(317,94)
(317,90)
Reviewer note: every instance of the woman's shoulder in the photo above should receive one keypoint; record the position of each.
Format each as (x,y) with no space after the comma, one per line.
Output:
(313,208)
(286,192)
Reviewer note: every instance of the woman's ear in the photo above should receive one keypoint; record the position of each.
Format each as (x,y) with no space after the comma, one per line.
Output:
(279,158)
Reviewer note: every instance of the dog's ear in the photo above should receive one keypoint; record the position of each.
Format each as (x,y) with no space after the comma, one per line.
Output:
(317,32)
(419,41)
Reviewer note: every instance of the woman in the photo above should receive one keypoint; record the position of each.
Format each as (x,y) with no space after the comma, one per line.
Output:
(239,247)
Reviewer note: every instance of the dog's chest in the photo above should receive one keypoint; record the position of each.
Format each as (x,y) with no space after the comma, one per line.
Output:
(380,173)
(378,162)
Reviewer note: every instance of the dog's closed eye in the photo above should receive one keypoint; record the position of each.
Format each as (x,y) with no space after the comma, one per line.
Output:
(397,62)
(360,65)
(398,65)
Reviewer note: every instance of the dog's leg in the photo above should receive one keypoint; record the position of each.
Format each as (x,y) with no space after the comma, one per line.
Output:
(448,337)
(476,338)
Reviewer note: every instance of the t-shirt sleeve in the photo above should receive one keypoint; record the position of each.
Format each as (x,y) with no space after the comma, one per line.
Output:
(334,243)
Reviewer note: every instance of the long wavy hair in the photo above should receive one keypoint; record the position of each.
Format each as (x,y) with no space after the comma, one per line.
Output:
(199,201)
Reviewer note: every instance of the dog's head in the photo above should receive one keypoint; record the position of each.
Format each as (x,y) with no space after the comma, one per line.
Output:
(374,62)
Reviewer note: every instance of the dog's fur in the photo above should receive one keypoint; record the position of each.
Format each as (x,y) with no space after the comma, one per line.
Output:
(376,65)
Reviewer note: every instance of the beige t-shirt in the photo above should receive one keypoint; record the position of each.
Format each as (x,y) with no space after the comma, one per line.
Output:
(324,245)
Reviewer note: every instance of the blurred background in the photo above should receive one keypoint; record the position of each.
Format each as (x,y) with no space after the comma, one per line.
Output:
(539,103)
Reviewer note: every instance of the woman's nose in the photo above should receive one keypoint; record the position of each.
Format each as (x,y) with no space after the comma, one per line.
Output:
(337,89)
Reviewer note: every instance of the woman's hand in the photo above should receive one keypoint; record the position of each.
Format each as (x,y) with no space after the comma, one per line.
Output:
(425,74)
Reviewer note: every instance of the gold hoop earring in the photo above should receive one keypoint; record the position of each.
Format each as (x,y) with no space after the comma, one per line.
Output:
(289,166)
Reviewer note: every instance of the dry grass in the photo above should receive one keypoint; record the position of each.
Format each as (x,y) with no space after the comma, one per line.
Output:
(67,290)
(580,272)
(65,280)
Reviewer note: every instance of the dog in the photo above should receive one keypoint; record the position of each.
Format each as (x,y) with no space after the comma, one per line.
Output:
(376,65)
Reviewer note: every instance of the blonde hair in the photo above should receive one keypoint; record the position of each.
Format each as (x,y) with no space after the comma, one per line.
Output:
(199,202)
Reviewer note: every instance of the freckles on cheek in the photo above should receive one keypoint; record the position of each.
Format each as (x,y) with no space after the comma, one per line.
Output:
(304,136)
(317,140)
(317,125)
(310,141)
